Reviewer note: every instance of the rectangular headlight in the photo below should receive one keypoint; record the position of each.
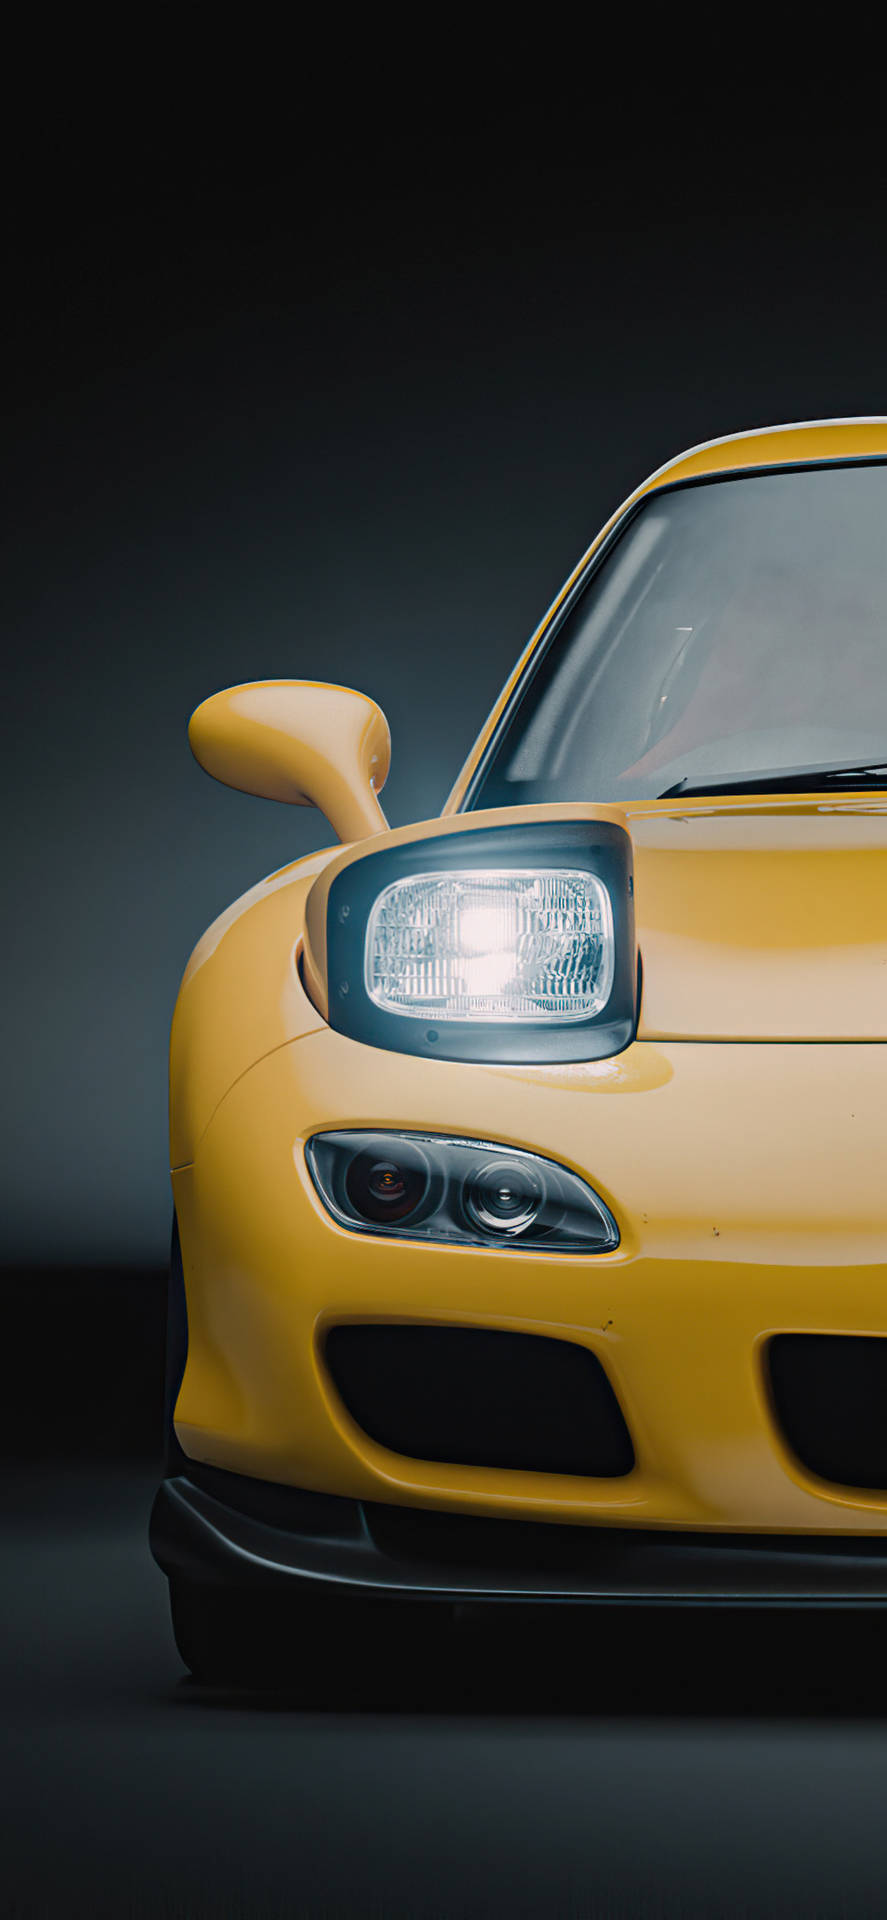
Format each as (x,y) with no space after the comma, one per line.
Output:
(510,940)
(487,944)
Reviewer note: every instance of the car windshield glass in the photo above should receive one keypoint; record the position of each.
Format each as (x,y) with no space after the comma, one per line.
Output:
(736,625)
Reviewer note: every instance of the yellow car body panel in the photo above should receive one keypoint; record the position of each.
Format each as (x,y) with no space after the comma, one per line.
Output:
(239,999)
(740,1142)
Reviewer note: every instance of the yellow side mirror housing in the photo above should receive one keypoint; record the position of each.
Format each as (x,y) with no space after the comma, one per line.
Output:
(300,741)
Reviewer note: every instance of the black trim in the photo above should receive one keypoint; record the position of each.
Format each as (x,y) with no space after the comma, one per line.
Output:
(291,1509)
(821,777)
(599,846)
(376,1552)
(596,560)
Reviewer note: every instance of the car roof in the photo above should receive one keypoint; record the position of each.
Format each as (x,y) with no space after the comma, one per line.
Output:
(861,438)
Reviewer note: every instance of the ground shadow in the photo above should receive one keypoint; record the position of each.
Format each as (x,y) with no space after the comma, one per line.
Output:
(592,1661)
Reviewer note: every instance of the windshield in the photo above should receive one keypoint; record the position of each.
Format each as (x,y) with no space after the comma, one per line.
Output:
(736,626)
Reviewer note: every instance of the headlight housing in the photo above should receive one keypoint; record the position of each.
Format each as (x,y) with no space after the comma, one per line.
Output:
(512,943)
(426,1186)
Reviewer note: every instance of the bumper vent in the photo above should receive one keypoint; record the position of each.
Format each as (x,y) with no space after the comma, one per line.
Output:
(830,1398)
(473,1396)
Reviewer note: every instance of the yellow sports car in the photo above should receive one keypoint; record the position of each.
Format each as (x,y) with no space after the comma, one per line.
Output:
(530,1163)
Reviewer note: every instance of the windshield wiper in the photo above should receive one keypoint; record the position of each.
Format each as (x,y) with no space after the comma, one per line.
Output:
(813,779)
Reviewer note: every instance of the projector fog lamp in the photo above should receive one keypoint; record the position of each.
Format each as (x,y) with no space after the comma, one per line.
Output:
(421,1186)
(503,1196)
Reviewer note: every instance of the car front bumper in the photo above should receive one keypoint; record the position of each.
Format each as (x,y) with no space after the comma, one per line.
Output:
(747,1182)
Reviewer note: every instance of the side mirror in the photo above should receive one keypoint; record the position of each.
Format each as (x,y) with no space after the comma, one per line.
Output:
(301,741)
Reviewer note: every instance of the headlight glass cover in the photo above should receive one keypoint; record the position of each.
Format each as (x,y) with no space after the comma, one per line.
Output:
(492,945)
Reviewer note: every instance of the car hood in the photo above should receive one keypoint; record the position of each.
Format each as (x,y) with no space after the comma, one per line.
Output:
(762,919)
(758,918)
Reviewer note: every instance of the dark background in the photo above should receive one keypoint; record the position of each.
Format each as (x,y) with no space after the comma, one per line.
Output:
(338,382)
(352,416)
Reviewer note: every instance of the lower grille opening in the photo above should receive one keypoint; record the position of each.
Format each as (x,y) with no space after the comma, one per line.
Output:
(474,1396)
(830,1398)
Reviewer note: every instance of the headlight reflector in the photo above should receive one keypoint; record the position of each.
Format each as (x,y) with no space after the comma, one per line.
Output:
(492,945)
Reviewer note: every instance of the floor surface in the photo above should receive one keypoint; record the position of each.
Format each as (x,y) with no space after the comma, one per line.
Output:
(590,1764)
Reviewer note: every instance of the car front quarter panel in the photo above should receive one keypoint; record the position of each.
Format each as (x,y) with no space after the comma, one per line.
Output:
(241,996)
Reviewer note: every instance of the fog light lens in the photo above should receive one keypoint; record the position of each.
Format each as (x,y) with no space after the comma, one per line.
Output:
(503,1197)
(383,1189)
(476,1193)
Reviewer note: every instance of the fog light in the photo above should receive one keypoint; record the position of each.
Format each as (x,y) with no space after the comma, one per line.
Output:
(503,1197)
(434,1187)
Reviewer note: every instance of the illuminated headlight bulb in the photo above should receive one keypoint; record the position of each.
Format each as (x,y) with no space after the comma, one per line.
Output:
(486,939)
(492,945)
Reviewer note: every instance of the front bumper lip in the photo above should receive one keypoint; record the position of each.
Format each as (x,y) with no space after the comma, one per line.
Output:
(338,1546)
